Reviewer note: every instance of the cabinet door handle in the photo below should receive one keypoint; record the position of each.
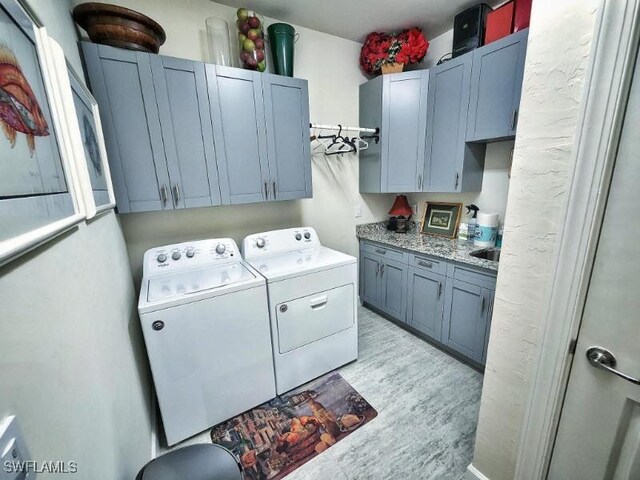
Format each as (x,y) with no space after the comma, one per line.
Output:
(381,270)
(482,304)
(420,182)
(514,118)
(377,269)
(274,190)
(490,311)
(163,195)
(425,264)
(381,251)
(266,190)
(439,289)
(457,179)
(176,195)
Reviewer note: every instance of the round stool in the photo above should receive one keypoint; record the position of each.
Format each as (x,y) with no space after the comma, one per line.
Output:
(195,462)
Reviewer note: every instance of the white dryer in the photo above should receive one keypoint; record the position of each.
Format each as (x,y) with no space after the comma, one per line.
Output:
(312,303)
(205,320)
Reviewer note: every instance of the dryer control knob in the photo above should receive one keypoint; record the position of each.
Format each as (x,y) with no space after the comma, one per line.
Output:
(298,236)
(190,253)
(307,235)
(221,248)
(161,258)
(260,242)
(176,255)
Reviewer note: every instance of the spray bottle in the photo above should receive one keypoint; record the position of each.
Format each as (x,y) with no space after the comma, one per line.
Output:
(473,221)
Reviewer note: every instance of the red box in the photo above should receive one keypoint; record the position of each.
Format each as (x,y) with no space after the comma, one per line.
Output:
(499,23)
(521,15)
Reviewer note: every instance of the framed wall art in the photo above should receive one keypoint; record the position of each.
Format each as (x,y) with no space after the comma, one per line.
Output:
(441,219)
(86,139)
(37,191)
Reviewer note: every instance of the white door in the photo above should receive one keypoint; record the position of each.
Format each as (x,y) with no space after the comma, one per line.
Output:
(599,432)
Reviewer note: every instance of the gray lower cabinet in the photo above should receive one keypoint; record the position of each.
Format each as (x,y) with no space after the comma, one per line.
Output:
(451,164)
(122,84)
(183,134)
(465,320)
(496,86)
(397,104)
(448,302)
(425,301)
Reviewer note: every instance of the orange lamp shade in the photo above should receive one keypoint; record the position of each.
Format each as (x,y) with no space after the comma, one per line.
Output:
(401,207)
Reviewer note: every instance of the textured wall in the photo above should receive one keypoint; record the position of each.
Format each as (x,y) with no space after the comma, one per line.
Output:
(557,56)
(331,66)
(72,366)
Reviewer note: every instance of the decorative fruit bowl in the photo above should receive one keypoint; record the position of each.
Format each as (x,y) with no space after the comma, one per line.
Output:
(119,27)
(251,43)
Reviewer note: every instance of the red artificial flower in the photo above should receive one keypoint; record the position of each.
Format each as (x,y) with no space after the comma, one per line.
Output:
(408,46)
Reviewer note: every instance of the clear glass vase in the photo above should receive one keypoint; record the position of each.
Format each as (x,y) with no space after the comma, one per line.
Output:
(219,42)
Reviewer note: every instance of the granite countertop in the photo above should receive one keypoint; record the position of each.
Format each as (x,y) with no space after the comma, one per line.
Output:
(413,240)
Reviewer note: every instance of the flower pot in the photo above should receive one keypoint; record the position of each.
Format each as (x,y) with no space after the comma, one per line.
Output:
(392,68)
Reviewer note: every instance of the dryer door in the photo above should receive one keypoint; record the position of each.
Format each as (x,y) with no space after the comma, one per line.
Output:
(304,320)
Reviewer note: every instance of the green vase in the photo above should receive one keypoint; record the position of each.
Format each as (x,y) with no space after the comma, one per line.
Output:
(281,40)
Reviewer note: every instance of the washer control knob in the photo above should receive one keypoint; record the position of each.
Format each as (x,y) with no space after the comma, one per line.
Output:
(161,258)
(221,248)
(260,242)
(307,235)
(176,255)
(298,236)
(190,253)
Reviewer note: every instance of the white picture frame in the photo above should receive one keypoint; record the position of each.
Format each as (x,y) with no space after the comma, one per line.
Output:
(31,216)
(91,168)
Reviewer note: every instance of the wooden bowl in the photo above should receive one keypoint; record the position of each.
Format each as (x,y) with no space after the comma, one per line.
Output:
(119,27)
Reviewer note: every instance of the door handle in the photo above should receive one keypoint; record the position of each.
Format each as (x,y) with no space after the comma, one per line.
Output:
(605,360)
(274,190)
(482,304)
(457,179)
(266,190)
(163,195)
(176,195)
(381,270)
(514,118)
(318,302)
(378,270)
(381,251)
(490,311)
(439,289)
(420,182)
(425,264)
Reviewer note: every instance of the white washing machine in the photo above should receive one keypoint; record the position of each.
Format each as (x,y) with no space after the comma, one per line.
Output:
(205,320)
(312,303)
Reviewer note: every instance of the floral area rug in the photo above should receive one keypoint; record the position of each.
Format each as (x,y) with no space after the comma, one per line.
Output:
(279,436)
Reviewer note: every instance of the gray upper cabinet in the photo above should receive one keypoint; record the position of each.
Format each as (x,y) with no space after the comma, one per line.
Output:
(286,102)
(465,318)
(122,84)
(425,301)
(185,118)
(237,112)
(496,85)
(451,164)
(397,104)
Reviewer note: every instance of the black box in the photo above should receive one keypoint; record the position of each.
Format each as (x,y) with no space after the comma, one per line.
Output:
(468,29)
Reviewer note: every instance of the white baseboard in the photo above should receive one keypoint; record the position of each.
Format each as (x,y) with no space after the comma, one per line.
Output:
(475,473)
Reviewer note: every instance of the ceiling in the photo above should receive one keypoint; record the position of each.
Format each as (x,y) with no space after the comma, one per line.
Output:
(354,19)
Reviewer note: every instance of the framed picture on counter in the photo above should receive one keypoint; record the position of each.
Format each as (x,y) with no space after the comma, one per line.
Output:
(441,219)
(37,191)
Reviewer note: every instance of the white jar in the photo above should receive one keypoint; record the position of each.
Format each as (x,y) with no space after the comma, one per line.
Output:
(486,230)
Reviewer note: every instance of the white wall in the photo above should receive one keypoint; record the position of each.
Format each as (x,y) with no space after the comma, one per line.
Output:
(71,364)
(331,66)
(557,56)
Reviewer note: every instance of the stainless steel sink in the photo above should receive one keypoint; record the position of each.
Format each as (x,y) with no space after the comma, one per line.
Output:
(492,254)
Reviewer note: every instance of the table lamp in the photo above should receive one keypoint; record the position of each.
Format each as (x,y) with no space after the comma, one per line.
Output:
(402,211)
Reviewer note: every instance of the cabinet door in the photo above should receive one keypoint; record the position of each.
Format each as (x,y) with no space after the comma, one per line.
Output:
(122,84)
(369,285)
(465,319)
(393,288)
(496,84)
(237,112)
(185,118)
(425,302)
(404,122)
(286,102)
(448,105)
